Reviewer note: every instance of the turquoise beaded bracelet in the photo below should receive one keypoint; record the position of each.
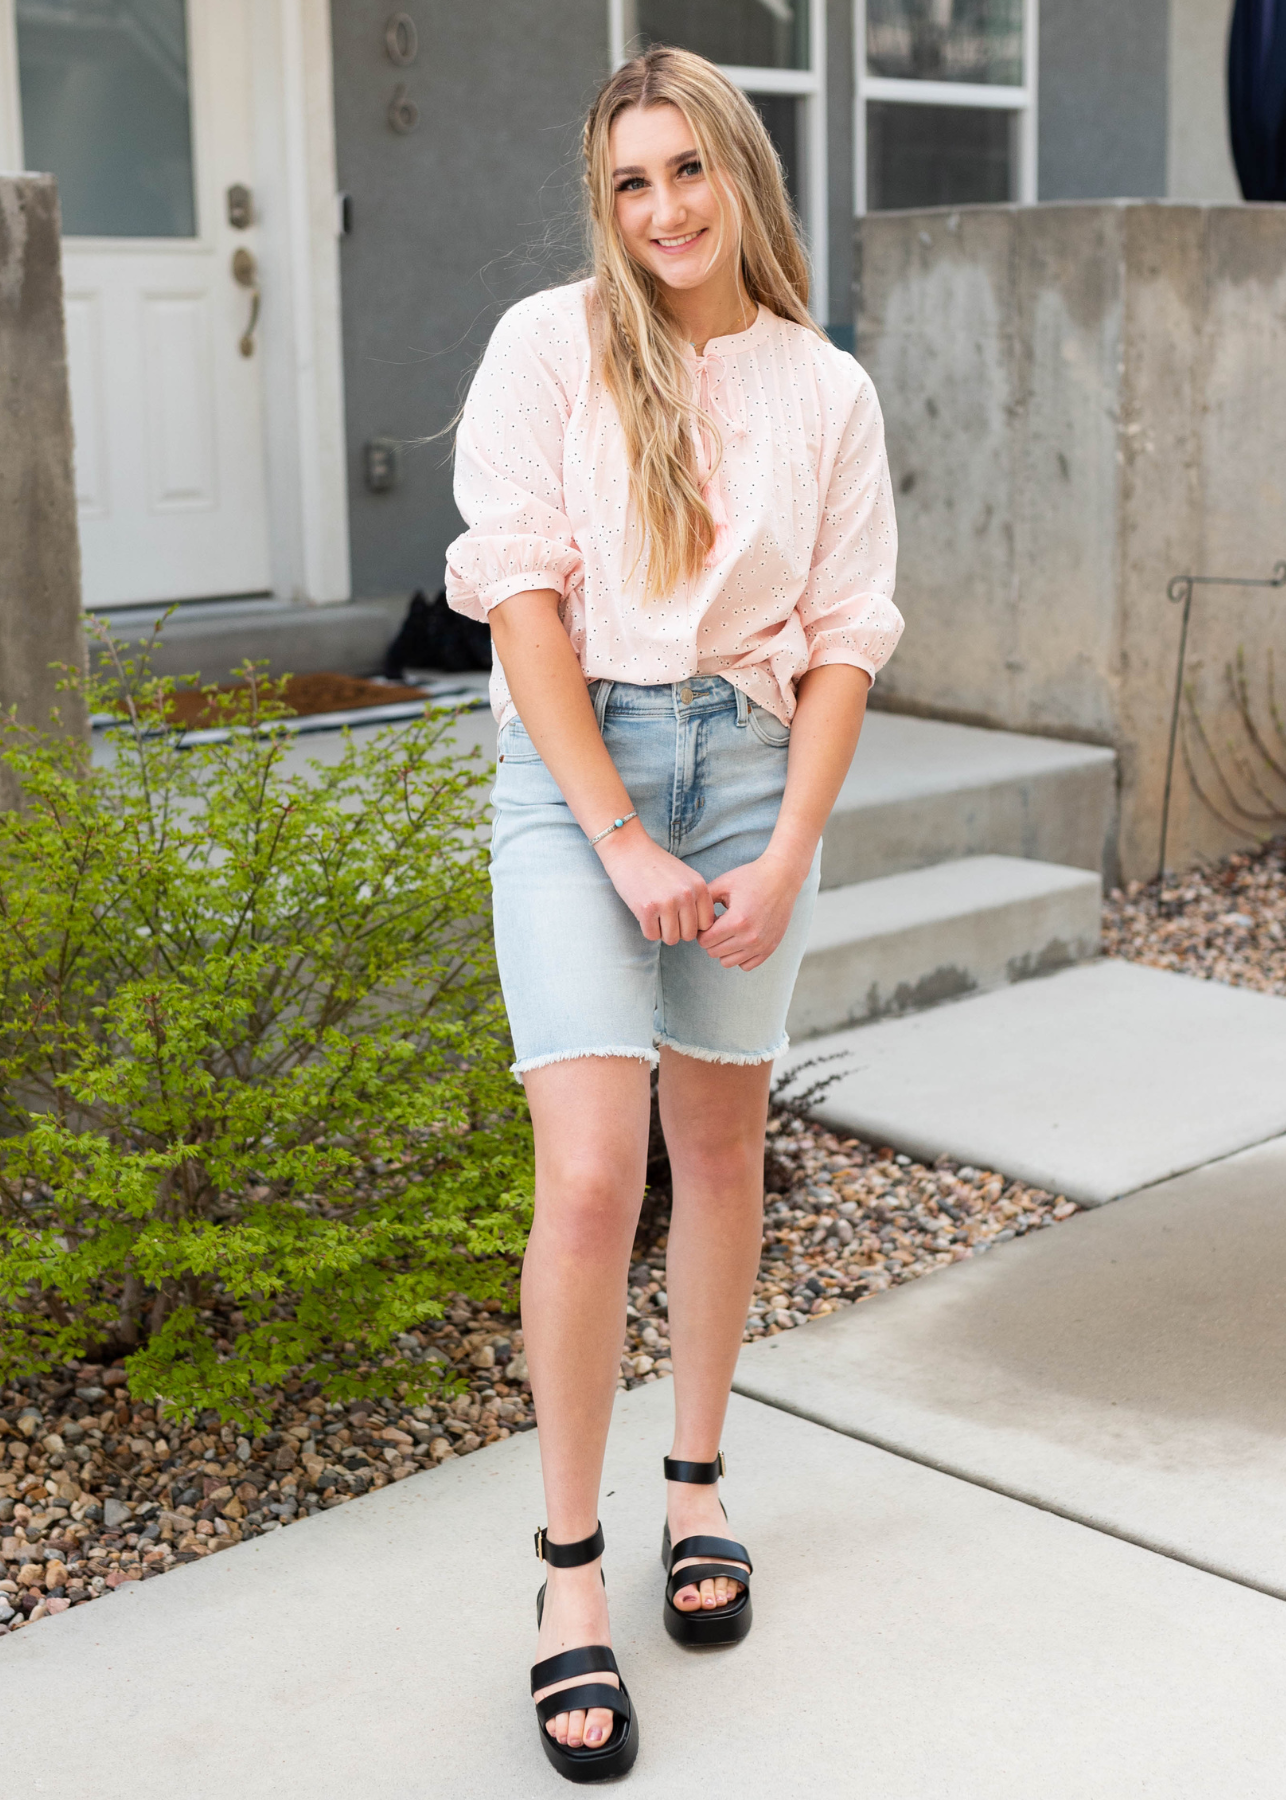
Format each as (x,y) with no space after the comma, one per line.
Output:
(614,826)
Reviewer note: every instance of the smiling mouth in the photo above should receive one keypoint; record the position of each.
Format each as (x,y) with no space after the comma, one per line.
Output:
(679,243)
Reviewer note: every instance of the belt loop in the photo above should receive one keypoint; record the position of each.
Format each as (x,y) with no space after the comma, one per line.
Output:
(743,705)
(602,694)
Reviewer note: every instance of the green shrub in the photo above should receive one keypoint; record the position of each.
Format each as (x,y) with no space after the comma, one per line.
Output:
(255,1114)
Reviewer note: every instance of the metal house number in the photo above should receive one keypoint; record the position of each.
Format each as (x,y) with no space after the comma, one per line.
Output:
(402,42)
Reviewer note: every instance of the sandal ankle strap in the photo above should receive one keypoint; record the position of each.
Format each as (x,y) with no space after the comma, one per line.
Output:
(569,1556)
(703,1474)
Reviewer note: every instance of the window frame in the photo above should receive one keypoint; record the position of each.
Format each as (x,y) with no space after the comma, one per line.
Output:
(809,88)
(1020,101)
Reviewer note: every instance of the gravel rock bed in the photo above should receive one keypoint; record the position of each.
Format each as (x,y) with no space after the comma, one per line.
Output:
(96,1491)
(1225,922)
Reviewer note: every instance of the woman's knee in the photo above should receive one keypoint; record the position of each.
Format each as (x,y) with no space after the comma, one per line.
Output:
(588,1202)
(731,1164)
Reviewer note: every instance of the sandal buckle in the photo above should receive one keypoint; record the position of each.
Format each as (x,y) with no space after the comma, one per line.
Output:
(723,1463)
(540,1542)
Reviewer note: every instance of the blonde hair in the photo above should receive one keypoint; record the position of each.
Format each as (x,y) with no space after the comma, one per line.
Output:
(639,354)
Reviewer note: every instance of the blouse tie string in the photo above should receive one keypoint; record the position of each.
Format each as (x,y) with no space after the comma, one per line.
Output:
(714,399)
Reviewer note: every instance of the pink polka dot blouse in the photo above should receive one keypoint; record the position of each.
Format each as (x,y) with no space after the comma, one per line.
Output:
(802,568)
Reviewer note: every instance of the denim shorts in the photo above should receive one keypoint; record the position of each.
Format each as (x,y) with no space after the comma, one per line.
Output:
(705,768)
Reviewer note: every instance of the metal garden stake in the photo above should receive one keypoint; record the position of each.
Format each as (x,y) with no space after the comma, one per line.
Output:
(1180,589)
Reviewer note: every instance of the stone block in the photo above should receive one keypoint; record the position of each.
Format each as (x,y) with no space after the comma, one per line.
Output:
(40,621)
(1083,401)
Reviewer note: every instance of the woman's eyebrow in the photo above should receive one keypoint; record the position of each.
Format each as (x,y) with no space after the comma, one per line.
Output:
(670,163)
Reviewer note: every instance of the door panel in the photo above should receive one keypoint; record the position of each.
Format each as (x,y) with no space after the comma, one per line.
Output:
(180,394)
(145,121)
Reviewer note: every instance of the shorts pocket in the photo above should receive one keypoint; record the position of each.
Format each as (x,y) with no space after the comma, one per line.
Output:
(514,745)
(768,728)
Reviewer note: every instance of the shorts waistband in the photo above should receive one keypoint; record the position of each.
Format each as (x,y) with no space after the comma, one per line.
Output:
(669,699)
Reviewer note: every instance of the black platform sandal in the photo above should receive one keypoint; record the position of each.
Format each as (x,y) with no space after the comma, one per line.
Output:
(724,1624)
(591,1762)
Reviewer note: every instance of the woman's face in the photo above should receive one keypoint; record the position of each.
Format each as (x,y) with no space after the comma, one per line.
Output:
(667,210)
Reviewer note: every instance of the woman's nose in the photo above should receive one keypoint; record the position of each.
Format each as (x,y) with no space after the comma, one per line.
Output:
(669,210)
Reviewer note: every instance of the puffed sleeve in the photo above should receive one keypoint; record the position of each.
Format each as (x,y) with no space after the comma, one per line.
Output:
(508,467)
(846,607)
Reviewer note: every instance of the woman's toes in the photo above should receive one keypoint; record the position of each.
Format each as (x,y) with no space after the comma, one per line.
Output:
(707,1593)
(686,1599)
(575,1730)
(596,1731)
(721,1591)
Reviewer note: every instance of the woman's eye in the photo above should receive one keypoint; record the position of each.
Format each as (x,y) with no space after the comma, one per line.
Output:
(630,185)
(692,168)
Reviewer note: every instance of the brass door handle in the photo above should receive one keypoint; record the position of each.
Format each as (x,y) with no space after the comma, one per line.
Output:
(245,272)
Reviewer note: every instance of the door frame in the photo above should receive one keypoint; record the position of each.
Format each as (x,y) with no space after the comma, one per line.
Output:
(295,185)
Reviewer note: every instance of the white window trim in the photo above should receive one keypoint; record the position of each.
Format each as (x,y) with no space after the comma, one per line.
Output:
(810,87)
(304,364)
(1019,100)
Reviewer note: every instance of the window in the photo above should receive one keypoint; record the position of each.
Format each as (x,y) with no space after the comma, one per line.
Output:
(105,107)
(946,102)
(775,51)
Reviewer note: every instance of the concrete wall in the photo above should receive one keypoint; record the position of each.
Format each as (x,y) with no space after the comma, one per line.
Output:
(40,620)
(1198,153)
(1102,98)
(1082,401)
(452,222)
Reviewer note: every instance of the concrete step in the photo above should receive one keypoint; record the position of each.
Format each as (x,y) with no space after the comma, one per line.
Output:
(213,638)
(902,942)
(1090,1083)
(922,791)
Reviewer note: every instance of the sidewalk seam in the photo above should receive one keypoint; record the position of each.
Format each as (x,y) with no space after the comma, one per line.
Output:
(892,1448)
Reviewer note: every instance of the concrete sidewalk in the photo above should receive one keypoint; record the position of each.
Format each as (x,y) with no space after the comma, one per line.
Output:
(1127,1369)
(915,1637)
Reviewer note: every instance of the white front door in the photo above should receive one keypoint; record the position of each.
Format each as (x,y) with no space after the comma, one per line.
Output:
(142,110)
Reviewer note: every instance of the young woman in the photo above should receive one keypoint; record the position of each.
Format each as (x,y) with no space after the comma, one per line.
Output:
(681,534)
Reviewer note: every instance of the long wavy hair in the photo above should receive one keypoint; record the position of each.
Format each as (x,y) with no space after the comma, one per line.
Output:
(637,347)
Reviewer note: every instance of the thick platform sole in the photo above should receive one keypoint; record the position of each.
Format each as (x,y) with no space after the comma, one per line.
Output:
(705,1630)
(609,1763)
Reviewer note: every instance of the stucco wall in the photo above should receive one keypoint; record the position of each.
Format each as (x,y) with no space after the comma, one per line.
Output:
(40,620)
(1198,151)
(1103,103)
(451,222)
(1082,401)
(839,163)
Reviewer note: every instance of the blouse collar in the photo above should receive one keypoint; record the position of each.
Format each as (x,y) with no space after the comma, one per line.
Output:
(734,342)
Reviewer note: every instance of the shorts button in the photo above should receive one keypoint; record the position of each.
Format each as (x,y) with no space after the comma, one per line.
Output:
(686,696)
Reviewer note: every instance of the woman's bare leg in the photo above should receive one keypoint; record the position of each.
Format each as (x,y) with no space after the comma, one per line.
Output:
(590,1118)
(714,1116)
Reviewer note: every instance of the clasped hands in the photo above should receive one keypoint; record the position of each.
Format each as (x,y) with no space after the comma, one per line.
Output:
(673,903)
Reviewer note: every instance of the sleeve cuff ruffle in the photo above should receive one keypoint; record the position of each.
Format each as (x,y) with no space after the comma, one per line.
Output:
(481,572)
(867,642)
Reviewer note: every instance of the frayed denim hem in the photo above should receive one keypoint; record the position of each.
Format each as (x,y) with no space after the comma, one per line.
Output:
(629,1051)
(741,1059)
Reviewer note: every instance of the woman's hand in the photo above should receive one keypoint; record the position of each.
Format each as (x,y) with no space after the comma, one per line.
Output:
(670,901)
(758,899)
